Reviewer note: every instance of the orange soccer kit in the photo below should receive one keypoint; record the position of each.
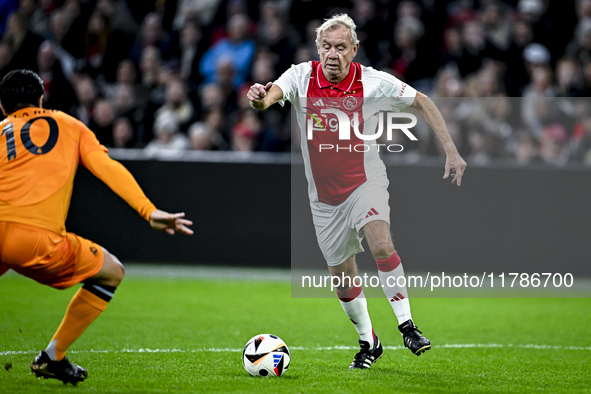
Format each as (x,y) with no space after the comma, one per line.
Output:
(39,153)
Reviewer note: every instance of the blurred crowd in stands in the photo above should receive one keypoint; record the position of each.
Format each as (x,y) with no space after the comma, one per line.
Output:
(510,76)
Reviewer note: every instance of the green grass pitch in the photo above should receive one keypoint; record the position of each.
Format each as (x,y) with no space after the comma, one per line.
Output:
(191,331)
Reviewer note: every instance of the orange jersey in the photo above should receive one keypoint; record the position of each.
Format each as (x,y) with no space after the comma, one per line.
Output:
(39,153)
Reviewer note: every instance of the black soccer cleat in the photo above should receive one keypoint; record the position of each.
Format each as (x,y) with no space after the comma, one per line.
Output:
(366,357)
(64,370)
(413,339)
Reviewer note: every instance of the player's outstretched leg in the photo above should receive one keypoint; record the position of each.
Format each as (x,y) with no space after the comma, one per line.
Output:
(86,305)
(390,270)
(393,283)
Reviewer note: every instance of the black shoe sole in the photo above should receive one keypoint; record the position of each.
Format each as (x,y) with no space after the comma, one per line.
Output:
(42,373)
(422,350)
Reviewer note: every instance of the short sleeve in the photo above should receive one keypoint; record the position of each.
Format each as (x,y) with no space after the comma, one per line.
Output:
(394,94)
(290,81)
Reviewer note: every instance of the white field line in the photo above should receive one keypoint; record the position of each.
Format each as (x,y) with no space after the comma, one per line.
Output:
(320,348)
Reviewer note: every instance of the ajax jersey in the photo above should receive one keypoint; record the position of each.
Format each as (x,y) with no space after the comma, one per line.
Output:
(332,116)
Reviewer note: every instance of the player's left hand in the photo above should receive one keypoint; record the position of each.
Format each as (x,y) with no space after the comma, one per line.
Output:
(455,165)
(170,222)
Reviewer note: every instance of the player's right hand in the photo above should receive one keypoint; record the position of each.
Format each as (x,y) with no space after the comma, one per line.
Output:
(257,92)
(170,222)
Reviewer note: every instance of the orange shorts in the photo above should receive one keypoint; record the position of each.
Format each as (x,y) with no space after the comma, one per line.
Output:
(47,257)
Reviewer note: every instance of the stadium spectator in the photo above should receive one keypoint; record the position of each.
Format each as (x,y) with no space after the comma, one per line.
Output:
(245,132)
(553,144)
(5,56)
(150,67)
(86,93)
(580,144)
(58,92)
(192,46)
(178,104)
(123,133)
(101,123)
(6,9)
(496,23)
(201,137)
(168,138)
(537,97)
(237,47)
(152,34)
(569,78)
(59,26)
(517,76)
(219,126)
(23,43)
(526,151)
(204,10)
(532,12)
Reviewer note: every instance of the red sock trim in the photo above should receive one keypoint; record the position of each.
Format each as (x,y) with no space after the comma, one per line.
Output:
(389,264)
(350,294)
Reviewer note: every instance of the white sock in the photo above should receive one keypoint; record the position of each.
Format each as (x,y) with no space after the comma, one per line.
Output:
(355,305)
(389,270)
(50,350)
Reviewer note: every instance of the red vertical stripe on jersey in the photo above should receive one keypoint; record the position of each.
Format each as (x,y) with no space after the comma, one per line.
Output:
(336,173)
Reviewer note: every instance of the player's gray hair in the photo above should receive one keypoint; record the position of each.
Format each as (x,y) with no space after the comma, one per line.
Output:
(334,22)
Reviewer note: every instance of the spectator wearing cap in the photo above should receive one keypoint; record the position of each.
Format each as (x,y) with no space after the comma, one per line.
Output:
(237,47)
(535,55)
(168,138)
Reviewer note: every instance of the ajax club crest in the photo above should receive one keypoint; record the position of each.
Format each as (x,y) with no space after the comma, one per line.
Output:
(350,103)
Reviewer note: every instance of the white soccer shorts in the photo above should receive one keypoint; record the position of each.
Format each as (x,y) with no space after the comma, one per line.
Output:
(339,228)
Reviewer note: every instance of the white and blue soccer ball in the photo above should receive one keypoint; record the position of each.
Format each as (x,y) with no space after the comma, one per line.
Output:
(265,355)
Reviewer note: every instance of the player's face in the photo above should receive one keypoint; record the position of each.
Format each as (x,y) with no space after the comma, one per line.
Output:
(336,53)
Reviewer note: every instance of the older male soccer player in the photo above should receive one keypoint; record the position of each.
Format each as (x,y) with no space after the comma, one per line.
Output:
(39,152)
(348,186)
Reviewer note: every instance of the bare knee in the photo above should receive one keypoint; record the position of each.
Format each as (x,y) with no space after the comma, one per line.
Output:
(111,273)
(383,249)
(118,270)
(342,276)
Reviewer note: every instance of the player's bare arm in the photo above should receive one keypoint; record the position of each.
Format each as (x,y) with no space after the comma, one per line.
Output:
(263,96)
(454,163)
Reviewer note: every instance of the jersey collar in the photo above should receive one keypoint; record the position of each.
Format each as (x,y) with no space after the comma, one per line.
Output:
(345,85)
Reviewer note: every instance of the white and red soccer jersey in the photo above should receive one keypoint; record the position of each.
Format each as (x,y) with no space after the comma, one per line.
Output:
(334,173)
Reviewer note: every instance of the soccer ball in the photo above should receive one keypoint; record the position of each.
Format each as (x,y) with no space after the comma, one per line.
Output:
(265,355)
